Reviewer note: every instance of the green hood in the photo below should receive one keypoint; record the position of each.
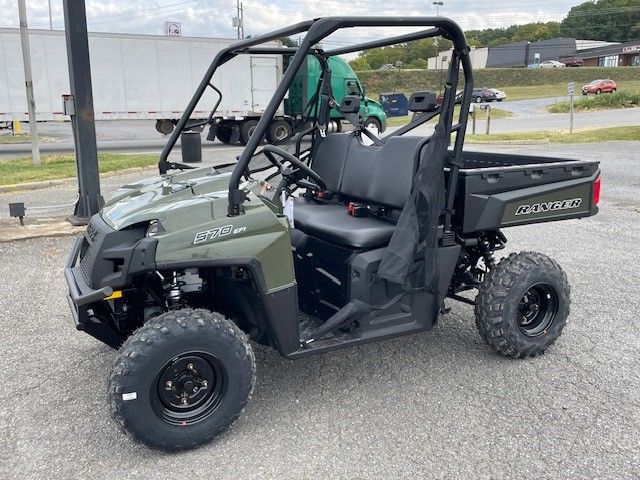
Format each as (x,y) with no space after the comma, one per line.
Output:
(203,192)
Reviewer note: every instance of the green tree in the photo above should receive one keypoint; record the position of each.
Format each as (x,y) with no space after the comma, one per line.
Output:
(289,42)
(359,64)
(610,20)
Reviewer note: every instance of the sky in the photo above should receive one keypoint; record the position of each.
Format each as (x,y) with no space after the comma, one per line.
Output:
(212,18)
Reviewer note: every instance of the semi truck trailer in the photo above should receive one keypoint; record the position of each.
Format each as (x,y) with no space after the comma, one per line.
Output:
(153,77)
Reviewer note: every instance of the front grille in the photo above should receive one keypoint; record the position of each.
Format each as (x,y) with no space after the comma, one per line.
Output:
(91,249)
(105,253)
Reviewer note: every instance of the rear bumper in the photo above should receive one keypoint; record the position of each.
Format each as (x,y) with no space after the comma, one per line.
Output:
(82,299)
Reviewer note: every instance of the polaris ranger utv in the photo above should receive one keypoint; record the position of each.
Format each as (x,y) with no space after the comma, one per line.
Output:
(336,240)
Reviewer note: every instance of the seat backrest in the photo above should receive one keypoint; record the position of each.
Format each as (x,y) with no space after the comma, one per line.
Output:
(330,157)
(381,174)
(376,174)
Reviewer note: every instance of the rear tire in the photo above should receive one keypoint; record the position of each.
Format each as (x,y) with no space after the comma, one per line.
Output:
(279,132)
(523,304)
(613,90)
(478,99)
(181,379)
(246,130)
(598,92)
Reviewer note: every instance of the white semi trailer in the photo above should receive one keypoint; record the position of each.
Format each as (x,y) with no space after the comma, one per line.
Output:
(138,77)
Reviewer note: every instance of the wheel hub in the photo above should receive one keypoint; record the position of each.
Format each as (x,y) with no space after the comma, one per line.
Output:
(188,388)
(537,310)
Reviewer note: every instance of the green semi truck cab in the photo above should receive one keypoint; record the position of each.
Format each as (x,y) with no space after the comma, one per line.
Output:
(344,81)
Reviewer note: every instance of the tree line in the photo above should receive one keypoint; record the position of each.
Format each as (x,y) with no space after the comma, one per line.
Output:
(608,20)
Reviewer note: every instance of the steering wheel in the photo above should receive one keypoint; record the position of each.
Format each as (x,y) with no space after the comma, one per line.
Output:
(293,175)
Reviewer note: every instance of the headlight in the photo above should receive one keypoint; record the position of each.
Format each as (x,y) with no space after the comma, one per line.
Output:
(155,228)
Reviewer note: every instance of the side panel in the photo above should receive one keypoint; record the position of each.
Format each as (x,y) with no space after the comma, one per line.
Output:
(5,98)
(257,234)
(501,197)
(265,76)
(107,76)
(175,75)
(140,67)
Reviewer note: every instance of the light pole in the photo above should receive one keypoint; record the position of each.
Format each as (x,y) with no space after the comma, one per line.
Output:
(28,81)
(435,40)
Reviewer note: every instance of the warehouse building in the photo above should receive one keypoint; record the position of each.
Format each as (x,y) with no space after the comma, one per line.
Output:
(616,55)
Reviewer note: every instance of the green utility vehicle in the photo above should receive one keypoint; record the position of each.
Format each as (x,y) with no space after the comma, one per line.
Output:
(333,240)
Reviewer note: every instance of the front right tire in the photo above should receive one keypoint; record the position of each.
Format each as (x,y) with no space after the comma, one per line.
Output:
(181,379)
(523,304)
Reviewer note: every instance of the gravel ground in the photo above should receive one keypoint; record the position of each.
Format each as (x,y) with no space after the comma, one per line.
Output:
(435,405)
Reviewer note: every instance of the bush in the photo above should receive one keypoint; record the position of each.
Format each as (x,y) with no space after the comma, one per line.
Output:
(412,80)
(603,101)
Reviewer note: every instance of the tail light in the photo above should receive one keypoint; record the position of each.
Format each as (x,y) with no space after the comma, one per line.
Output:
(596,191)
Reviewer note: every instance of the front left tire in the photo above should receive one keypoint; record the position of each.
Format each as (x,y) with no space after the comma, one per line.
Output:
(181,379)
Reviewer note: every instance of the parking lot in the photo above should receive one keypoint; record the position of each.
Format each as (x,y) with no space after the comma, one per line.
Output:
(440,404)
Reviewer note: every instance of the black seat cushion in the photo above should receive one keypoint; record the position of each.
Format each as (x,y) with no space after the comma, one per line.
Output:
(333,223)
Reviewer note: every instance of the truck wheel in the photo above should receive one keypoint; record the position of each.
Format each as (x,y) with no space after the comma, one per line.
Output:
(279,131)
(246,130)
(522,305)
(165,127)
(373,123)
(228,133)
(181,379)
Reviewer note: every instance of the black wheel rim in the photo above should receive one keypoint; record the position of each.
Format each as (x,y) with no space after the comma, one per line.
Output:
(189,388)
(281,133)
(537,309)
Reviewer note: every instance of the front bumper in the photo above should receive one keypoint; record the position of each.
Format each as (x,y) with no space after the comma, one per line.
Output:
(82,298)
(102,261)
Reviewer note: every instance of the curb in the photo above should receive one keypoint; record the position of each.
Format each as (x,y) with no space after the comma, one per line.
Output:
(17,187)
(46,227)
(545,141)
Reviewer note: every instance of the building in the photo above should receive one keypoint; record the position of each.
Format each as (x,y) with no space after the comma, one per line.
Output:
(612,55)
(521,54)
(478,59)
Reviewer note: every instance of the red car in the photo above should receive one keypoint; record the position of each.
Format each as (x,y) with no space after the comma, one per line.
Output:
(572,61)
(599,86)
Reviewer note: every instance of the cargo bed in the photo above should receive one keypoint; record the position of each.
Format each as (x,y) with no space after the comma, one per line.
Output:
(497,190)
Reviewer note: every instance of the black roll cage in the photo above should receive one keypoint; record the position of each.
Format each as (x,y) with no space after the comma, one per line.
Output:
(317,30)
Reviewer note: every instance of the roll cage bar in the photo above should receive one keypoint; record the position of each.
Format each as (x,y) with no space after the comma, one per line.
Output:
(317,30)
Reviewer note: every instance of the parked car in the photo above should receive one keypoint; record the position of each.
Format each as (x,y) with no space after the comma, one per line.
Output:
(483,95)
(572,61)
(500,94)
(478,95)
(599,86)
(552,64)
(458,100)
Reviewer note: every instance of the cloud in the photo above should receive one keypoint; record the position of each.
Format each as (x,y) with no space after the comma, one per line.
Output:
(213,17)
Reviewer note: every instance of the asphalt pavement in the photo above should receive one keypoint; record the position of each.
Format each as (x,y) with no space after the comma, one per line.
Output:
(440,404)
(141,136)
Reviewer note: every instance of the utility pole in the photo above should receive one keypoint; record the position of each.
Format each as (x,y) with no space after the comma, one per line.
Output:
(28,81)
(238,20)
(80,106)
(50,17)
